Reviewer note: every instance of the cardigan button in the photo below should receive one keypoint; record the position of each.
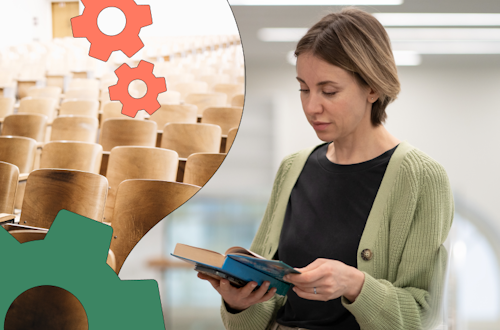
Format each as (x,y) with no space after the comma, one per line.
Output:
(366,254)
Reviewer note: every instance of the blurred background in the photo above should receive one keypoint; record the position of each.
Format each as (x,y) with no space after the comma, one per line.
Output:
(448,55)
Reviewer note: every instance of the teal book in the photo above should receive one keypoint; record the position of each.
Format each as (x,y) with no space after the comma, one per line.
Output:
(238,265)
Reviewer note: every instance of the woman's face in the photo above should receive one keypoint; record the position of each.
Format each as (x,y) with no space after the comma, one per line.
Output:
(334,103)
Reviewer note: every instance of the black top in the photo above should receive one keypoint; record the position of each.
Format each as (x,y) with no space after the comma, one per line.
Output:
(325,218)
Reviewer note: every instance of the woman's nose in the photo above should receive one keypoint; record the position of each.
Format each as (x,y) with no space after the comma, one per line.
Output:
(313,104)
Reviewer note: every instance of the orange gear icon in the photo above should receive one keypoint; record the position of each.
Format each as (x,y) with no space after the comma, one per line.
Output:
(102,45)
(144,72)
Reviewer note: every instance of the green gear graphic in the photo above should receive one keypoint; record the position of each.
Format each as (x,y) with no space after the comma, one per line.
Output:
(73,257)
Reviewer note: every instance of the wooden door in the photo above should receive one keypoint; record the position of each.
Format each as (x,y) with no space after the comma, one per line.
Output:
(62,12)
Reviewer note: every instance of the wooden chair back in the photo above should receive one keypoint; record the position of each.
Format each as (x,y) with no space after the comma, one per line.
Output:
(41,105)
(186,88)
(231,135)
(50,190)
(23,86)
(28,235)
(113,110)
(52,92)
(201,166)
(81,156)
(79,107)
(84,83)
(19,151)
(75,128)
(139,206)
(127,132)
(29,125)
(225,117)
(82,94)
(169,97)
(229,89)
(6,106)
(214,79)
(238,100)
(175,113)
(9,176)
(138,163)
(187,139)
(206,100)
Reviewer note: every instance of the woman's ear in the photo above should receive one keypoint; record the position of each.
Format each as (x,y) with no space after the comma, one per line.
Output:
(372,95)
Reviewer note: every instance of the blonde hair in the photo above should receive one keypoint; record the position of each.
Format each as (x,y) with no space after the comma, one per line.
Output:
(354,40)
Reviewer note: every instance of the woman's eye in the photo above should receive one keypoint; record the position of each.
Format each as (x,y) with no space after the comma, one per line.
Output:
(303,90)
(329,93)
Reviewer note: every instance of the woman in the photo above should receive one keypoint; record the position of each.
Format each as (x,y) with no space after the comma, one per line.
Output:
(363,216)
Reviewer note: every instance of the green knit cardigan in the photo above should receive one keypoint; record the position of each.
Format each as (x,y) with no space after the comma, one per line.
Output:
(405,230)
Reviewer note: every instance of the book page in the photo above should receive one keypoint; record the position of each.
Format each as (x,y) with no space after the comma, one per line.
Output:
(242,251)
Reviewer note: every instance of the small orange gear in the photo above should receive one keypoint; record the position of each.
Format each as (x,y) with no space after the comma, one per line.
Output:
(102,45)
(144,72)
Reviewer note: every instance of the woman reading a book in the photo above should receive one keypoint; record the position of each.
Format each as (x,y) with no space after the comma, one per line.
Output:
(363,216)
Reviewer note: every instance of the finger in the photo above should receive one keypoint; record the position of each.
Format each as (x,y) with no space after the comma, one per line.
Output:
(215,282)
(310,278)
(307,295)
(268,295)
(313,265)
(260,292)
(248,289)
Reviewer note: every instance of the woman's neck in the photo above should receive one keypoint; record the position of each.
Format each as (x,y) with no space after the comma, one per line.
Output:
(357,148)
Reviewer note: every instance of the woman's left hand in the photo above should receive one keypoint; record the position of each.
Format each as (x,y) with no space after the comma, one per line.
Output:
(330,279)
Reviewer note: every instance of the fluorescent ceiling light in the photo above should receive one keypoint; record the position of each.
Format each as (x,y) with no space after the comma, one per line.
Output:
(313,2)
(407,58)
(436,19)
(449,47)
(402,58)
(281,34)
(436,34)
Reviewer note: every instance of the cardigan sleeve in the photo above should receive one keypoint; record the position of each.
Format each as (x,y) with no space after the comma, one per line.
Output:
(259,316)
(413,300)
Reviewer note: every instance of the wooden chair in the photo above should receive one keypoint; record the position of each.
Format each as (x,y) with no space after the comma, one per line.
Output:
(225,117)
(187,139)
(9,176)
(169,97)
(138,163)
(200,167)
(229,89)
(19,151)
(75,128)
(139,206)
(40,105)
(79,107)
(215,79)
(82,94)
(190,88)
(29,125)
(23,86)
(113,110)
(206,100)
(72,155)
(49,91)
(84,83)
(127,132)
(6,107)
(50,190)
(175,113)
(238,100)
(231,135)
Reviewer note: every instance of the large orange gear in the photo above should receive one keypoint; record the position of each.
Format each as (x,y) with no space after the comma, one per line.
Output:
(102,45)
(144,72)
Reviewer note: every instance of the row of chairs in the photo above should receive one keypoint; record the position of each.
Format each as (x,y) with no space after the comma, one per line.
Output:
(139,203)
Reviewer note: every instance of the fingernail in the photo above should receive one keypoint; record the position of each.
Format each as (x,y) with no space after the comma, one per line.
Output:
(254,285)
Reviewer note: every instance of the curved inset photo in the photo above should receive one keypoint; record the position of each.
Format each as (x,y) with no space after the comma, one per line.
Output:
(68,141)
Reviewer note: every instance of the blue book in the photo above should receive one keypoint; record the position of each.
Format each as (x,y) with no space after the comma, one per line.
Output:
(239,266)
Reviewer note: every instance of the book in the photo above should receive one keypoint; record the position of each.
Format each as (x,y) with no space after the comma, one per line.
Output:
(238,265)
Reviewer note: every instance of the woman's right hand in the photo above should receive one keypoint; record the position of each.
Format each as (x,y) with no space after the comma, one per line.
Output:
(240,299)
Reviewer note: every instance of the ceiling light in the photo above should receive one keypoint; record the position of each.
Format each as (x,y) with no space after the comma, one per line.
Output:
(437,34)
(313,2)
(407,58)
(437,19)
(281,34)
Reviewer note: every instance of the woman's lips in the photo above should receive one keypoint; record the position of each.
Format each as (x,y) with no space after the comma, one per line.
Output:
(319,125)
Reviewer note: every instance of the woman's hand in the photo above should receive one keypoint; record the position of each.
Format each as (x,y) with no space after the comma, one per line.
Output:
(240,298)
(329,278)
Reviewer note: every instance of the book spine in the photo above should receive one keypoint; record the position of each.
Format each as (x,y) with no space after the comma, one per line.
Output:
(248,273)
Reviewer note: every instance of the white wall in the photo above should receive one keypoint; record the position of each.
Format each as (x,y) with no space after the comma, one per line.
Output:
(452,113)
